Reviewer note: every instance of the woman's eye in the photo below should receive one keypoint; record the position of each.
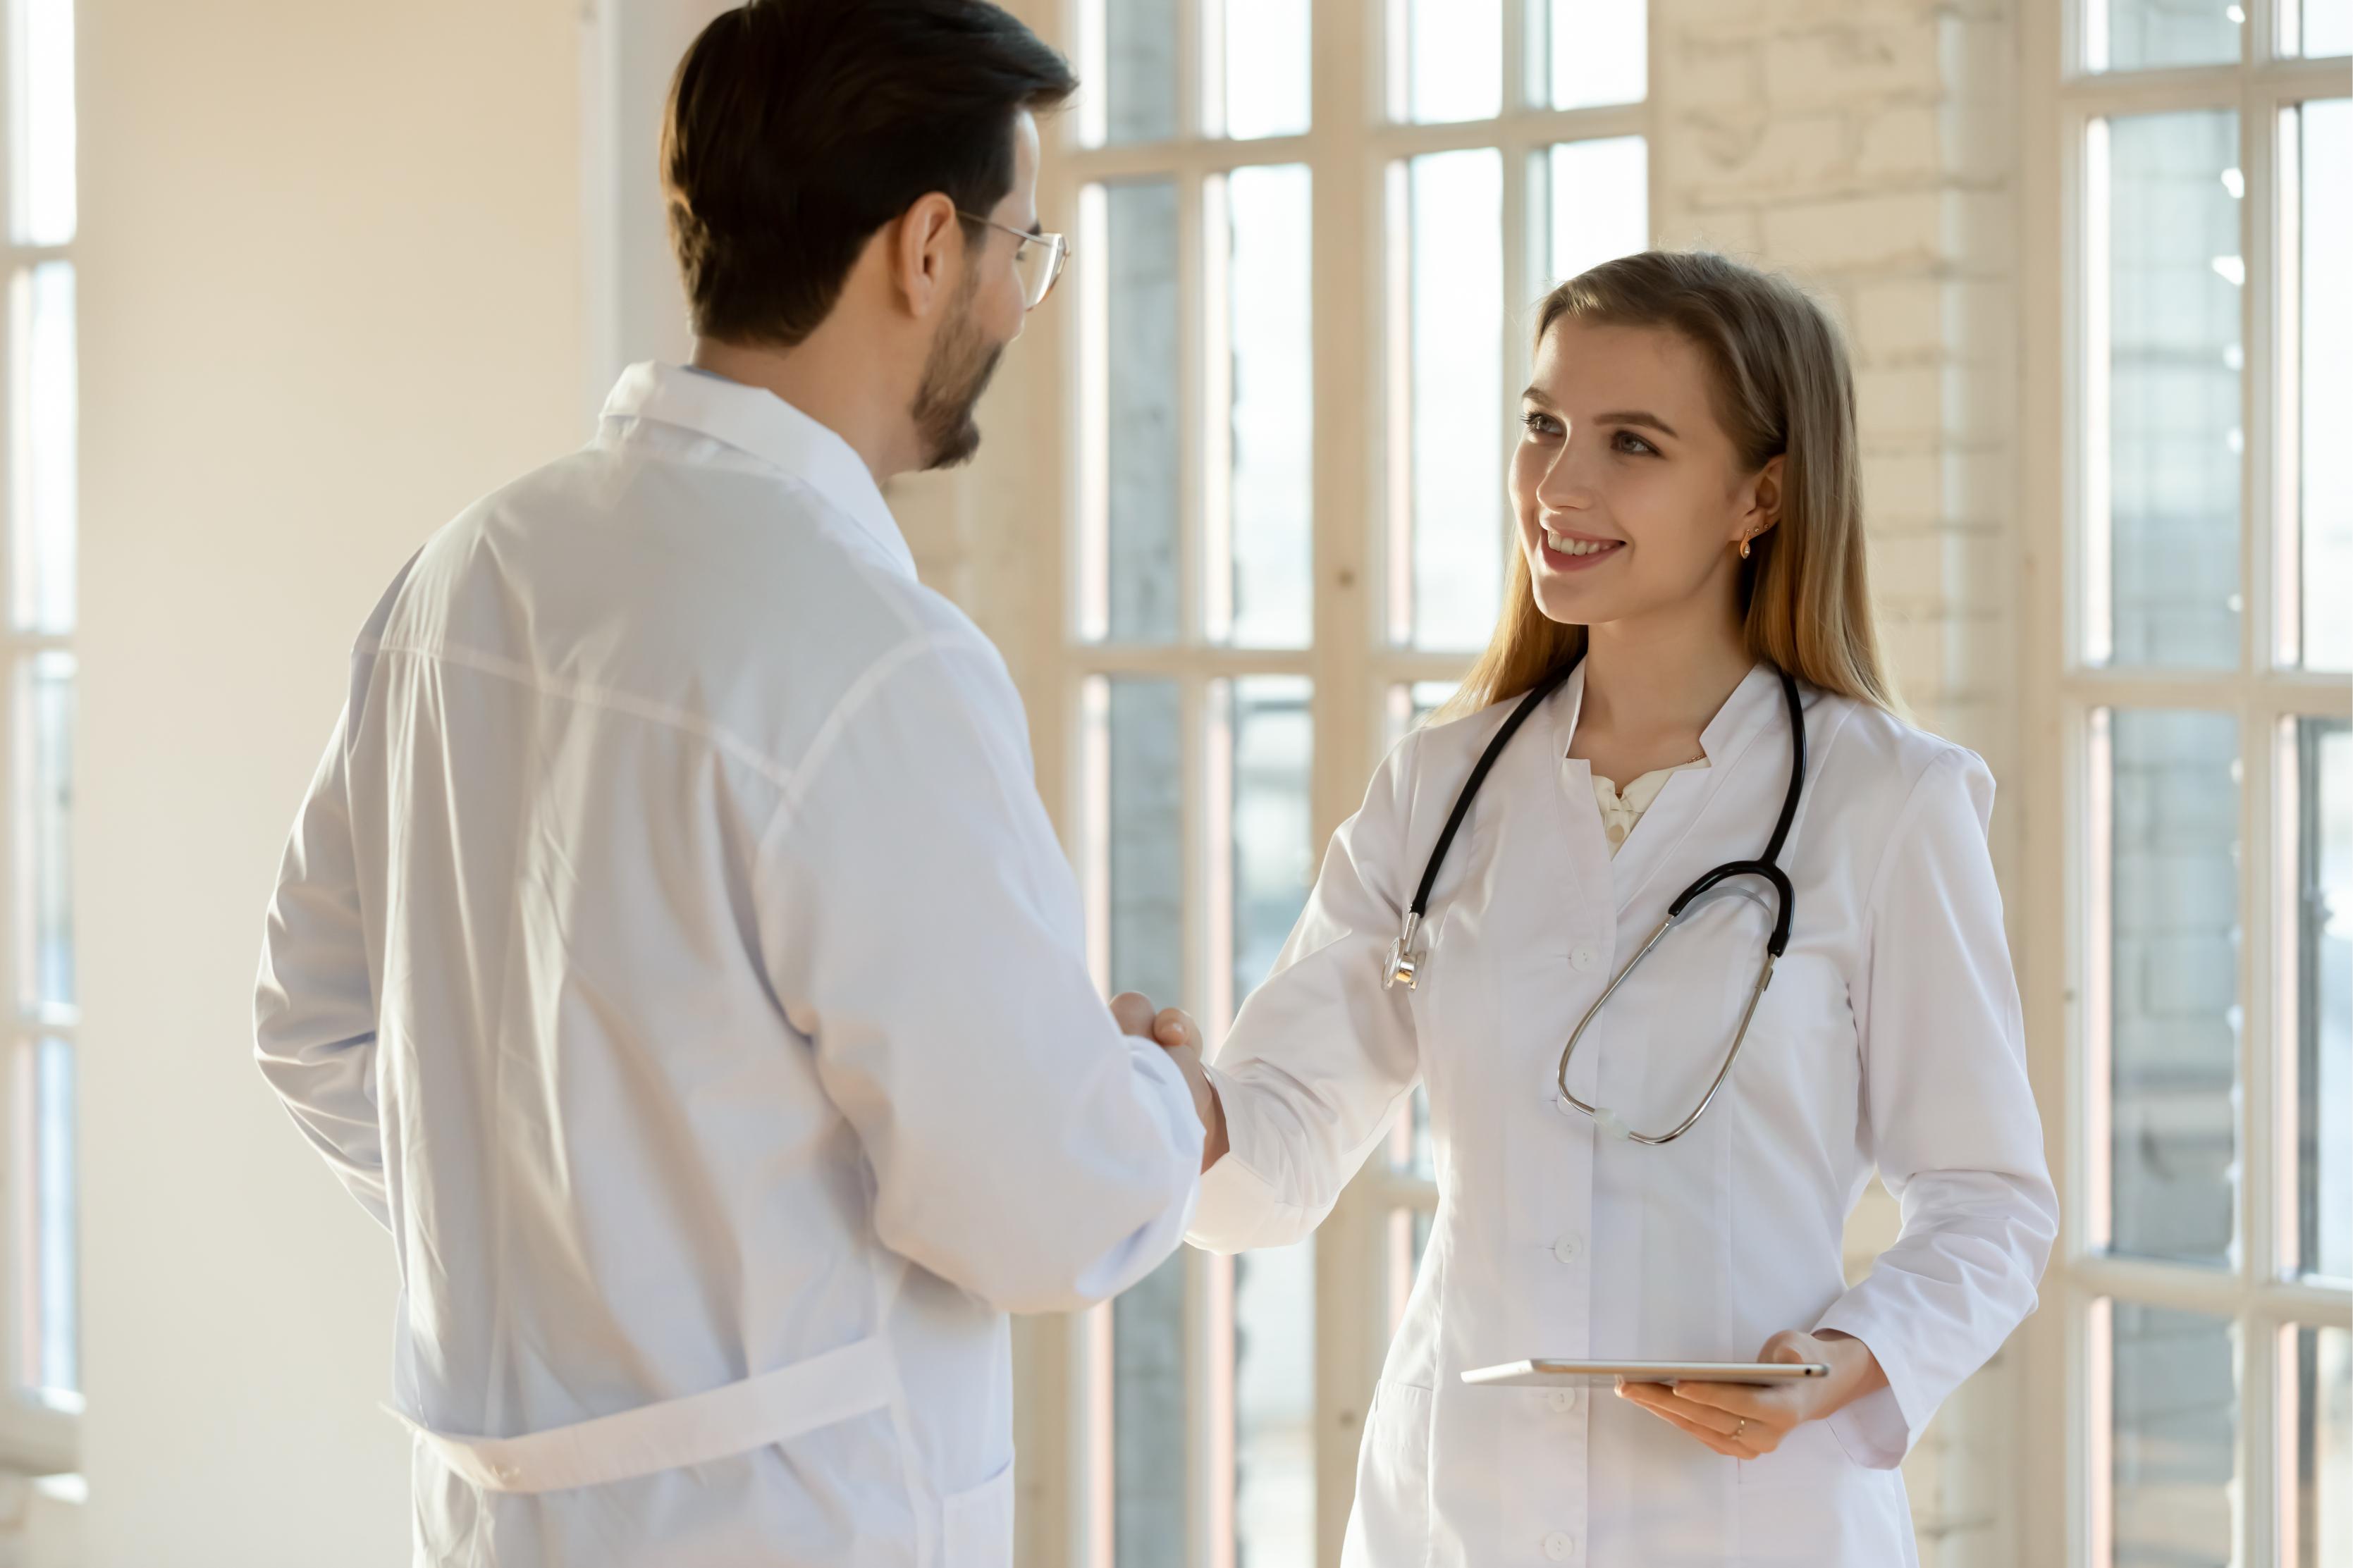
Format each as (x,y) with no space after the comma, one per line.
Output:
(1626,441)
(1539,424)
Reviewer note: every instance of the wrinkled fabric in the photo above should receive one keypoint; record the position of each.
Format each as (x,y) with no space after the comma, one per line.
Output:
(1890,1038)
(673,954)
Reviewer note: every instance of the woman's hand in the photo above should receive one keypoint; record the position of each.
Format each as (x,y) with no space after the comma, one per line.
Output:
(1744,1420)
(1175,1032)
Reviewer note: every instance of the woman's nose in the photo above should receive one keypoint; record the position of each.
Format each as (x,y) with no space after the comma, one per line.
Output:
(1563,487)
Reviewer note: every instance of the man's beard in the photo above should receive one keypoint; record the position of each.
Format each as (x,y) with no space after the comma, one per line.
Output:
(955,373)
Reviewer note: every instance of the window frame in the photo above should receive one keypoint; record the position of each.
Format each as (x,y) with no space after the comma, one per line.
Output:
(37,1436)
(1348,149)
(2065,1447)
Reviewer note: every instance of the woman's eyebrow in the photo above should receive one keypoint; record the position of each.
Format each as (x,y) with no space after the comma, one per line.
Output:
(1636,417)
(1533,394)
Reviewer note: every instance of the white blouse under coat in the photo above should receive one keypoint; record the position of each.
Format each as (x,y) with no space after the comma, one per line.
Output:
(1890,1037)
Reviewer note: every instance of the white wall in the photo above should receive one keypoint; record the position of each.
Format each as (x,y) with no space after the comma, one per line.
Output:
(331,293)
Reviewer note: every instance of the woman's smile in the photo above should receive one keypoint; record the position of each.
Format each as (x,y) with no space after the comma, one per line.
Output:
(1566,552)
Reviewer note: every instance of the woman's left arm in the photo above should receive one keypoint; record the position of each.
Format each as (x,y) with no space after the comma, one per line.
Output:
(1951,1120)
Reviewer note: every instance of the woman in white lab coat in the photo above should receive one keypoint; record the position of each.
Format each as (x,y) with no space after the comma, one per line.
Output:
(1689,524)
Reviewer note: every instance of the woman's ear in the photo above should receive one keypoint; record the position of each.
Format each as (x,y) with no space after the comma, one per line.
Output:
(1764,507)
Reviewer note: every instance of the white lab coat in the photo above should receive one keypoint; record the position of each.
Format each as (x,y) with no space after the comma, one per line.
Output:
(673,954)
(1889,1037)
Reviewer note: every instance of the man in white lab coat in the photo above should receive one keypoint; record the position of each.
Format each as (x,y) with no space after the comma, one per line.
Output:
(672,952)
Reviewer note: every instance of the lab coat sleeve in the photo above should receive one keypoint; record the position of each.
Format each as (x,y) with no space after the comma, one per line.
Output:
(1951,1118)
(1322,1052)
(922,927)
(315,1011)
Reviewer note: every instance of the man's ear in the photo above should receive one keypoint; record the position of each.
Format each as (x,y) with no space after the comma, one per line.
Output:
(926,250)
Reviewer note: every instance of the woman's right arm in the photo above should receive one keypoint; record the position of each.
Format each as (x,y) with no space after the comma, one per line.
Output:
(1322,1052)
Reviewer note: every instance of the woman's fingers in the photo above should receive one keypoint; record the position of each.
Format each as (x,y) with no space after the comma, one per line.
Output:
(1174,1028)
(1730,1447)
(1755,1435)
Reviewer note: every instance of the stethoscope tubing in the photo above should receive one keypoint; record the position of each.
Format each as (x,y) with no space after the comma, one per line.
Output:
(1407,964)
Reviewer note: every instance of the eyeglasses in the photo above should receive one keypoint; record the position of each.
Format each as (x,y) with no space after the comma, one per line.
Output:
(1038,259)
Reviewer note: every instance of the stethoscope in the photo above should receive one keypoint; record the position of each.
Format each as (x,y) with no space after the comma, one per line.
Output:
(1407,961)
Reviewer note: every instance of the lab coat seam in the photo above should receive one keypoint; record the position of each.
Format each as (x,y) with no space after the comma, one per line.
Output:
(588,694)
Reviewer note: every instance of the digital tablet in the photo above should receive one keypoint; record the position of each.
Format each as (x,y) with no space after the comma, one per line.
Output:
(1552,1373)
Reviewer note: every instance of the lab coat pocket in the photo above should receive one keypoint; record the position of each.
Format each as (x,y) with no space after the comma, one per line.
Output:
(976,1524)
(1807,1503)
(1391,1523)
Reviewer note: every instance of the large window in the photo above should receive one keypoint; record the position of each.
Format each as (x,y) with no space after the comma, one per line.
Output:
(1309,236)
(2209,1279)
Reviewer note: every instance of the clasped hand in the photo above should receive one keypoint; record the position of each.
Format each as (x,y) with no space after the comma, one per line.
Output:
(1174,1031)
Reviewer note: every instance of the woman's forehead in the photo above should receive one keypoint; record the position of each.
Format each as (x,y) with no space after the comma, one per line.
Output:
(1578,359)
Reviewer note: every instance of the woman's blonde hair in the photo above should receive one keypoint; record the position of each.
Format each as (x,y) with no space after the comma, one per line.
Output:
(1782,389)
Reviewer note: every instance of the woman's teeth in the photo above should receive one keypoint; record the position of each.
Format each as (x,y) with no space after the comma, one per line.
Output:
(1563,544)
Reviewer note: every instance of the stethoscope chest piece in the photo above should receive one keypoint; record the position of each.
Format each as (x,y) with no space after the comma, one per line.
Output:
(1404,959)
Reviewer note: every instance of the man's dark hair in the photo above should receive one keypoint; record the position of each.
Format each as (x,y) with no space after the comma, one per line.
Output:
(797,128)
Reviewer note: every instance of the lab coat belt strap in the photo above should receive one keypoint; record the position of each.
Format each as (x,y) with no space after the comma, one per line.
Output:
(697,1429)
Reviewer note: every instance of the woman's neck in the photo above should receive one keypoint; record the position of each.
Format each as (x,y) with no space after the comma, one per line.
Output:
(1650,685)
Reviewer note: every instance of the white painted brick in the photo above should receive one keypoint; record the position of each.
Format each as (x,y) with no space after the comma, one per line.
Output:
(1907,568)
(1981,321)
(1841,63)
(1751,156)
(1901,318)
(1904,229)
(1980,229)
(1902,487)
(1765,18)
(1736,231)
(1704,72)
(1904,401)
(1901,142)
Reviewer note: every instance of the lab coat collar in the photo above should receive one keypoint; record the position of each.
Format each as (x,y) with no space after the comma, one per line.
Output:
(1726,736)
(756,421)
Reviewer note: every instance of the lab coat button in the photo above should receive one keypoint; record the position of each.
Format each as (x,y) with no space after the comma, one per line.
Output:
(1584,960)
(1564,1400)
(1569,1247)
(1559,1546)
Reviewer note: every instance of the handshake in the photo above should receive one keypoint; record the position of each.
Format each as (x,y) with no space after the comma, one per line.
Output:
(1174,1031)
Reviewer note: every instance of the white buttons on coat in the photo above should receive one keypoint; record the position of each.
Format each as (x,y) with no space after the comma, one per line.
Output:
(1569,1247)
(1560,1547)
(1562,1400)
(1584,959)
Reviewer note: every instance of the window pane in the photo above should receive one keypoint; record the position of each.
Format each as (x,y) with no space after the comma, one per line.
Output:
(1137,338)
(1453,487)
(1266,56)
(1139,70)
(1272,736)
(1259,555)
(1274,1405)
(2325,354)
(1597,50)
(42,502)
(2135,34)
(2318,1527)
(2323,1006)
(42,131)
(1144,797)
(2174,1418)
(2167,191)
(44,788)
(1600,195)
(2172,803)
(1450,64)
(2327,27)
(48,1356)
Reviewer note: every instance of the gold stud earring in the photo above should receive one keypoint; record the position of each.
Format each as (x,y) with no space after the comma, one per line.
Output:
(1744,549)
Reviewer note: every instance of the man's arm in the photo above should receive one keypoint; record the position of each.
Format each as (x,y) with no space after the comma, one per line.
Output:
(314,1016)
(922,926)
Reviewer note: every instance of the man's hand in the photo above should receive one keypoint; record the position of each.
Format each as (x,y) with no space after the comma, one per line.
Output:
(1744,1420)
(1174,1032)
